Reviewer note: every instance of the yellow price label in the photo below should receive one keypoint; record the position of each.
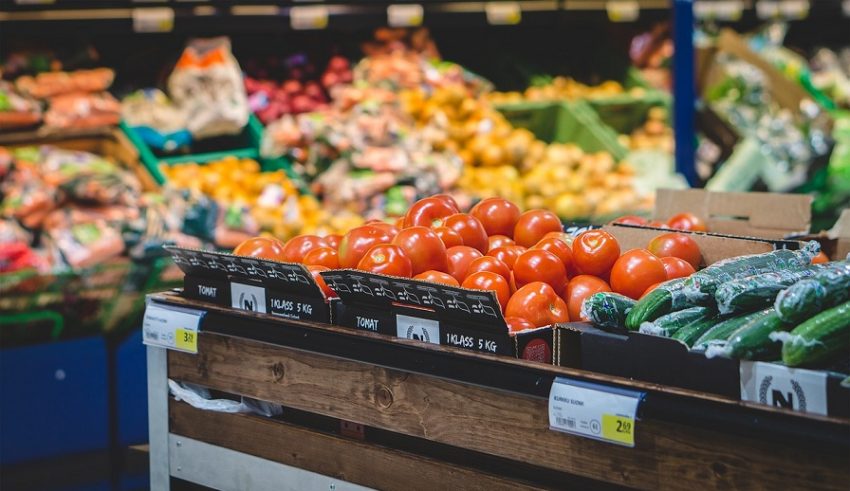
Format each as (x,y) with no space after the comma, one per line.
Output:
(186,339)
(618,428)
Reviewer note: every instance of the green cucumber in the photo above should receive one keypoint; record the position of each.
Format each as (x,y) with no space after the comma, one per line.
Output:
(668,324)
(722,331)
(607,309)
(692,332)
(818,339)
(829,286)
(753,341)
(759,291)
(655,304)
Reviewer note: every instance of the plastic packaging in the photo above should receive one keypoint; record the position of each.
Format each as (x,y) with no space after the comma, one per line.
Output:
(200,398)
(607,309)
(759,291)
(669,324)
(830,286)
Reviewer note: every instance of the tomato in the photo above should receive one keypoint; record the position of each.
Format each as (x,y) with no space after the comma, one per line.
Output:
(487,280)
(357,241)
(437,277)
(314,270)
(533,225)
(559,248)
(262,248)
(333,240)
(657,224)
(489,263)
(579,288)
(687,221)
(631,220)
(677,268)
(595,251)
(498,215)
(449,237)
(676,245)
(428,212)
(537,303)
(297,247)
(507,254)
(448,199)
(820,258)
(460,257)
(516,324)
(635,271)
(323,256)
(539,265)
(652,287)
(386,259)
(389,227)
(470,230)
(567,238)
(424,249)
(495,241)
(399,223)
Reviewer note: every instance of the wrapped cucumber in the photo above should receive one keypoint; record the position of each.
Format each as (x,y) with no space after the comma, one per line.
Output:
(829,286)
(690,333)
(669,324)
(655,304)
(752,341)
(723,330)
(607,309)
(819,339)
(759,291)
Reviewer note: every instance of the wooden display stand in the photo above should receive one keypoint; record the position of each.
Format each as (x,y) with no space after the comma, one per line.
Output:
(420,416)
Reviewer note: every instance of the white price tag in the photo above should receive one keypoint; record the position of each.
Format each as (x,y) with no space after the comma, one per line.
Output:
(157,19)
(308,17)
(419,329)
(594,411)
(729,10)
(777,385)
(622,10)
(171,327)
(248,297)
(503,13)
(405,15)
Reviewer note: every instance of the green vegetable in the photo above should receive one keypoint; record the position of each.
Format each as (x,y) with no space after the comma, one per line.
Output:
(818,339)
(830,286)
(669,324)
(722,331)
(759,291)
(752,341)
(692,332)
(607,309)
(655,304)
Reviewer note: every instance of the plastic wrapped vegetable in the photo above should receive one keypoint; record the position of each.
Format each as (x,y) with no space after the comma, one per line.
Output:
(830,286)
(607,309)
(819,339)
(759,291)
(669,324)
(723,330)
(753,340)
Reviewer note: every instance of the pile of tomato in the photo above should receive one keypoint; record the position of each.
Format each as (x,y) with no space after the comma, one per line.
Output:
(540,275)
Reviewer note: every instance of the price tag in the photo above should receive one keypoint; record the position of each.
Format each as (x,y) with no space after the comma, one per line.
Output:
(157,19)
(780,386)
(623,10)
(503,13)
(171,327)
(728,10)
(419,329)
(405,15)
(308,17)
(594,411)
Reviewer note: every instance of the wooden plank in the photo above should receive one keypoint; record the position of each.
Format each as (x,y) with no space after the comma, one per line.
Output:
(498,422)
(357,462)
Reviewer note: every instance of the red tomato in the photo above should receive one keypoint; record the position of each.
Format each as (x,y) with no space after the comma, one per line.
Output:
(652,287)
(534,224)
(595,251)
(495,241)
(448,199)
(537,303)
(449,237)
(470,230)
(631,220)
(460,257)
(399,223)
(428,212)
(559,248)
(389,227)
(498,215)
(489,263)
(386,259)
(262,248)
(820,258)
(635,271)
(567,238)
(314,270)
(507,254)
(578,289)
(687,221)
(657,224)
(357,241)
(487,280)
(677,268)
(437,277)
(333,240)
(539,265)
(298,247)
(424,249)
(323,256)
(676,245)
(516,324)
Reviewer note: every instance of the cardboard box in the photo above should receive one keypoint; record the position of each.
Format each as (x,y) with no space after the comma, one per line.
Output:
(433,313)
(245,283)
(835,242)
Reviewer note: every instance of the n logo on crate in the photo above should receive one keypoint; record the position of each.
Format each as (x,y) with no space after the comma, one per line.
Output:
(248,297)
(780,386)
(426,330)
